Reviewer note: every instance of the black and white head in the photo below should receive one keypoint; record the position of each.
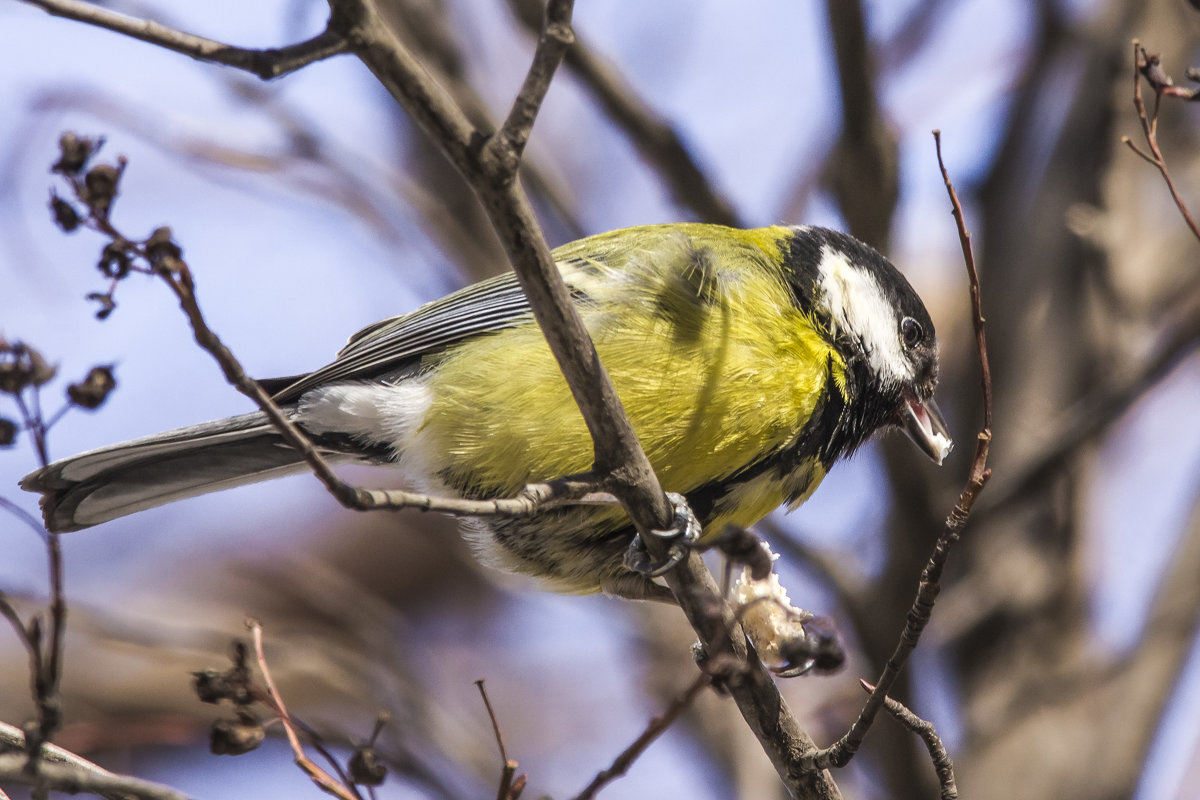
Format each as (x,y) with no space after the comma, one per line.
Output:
(880,326)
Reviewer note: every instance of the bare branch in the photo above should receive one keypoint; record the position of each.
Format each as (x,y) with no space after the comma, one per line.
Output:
(24,516)
(510,784)
(654,729)
(654,137)
(61,770)
(840,753)
(928,734)
(267,63)
(1147,65)
(320,777)
(866,145)
(556,36)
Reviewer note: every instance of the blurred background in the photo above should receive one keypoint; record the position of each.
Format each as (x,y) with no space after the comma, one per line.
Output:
(1062,658)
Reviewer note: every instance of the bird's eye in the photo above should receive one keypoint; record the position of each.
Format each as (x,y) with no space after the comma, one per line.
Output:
(912,332)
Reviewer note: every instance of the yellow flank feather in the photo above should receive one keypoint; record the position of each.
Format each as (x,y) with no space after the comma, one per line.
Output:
(715,365)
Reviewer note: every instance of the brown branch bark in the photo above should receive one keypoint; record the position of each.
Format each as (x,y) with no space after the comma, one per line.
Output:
(63,771)
(654,137)
(1143,63)
(928,734)
(267,63)
(324,781)
(864,167)
(657,726)
(929,587)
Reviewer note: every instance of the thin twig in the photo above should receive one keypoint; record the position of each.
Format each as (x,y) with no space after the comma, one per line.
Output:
(267,63)
(581,489)
(33,423)
(556,36)
(24,516)
(985,370)
(45,647)
(840,753)
(14,619)
(654,729)
(535,497)
(62,770)
(654,137)
(72,780)
(1142,63)
(320,777)
(508,769)
(928,734)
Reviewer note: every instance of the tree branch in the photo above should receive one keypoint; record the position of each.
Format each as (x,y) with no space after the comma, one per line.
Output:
(61,770)
(840,753)
(654,137)
(267,63)
(928,734)
(320,777)
(654,729)
(1147,65)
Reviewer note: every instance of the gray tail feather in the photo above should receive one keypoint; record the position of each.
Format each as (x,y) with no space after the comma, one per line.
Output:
(110,482)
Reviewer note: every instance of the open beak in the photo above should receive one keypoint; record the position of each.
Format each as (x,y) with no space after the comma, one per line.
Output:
(923,423)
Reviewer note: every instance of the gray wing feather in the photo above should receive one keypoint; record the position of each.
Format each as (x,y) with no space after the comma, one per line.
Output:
(395,343)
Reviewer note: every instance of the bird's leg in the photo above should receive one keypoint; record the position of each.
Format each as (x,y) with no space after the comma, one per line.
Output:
(681,536)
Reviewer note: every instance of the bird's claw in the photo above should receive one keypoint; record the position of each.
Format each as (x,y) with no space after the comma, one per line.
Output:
(682,535)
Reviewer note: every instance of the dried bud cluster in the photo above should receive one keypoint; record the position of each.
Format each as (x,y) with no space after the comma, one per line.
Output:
(237,736)
(233,684)
(100,188)
(65,215)
(74,153)
(162,252)
(92,391)
(21,367)
(96,188)
(106,301)
(366,768)
(234,737)
(115,260)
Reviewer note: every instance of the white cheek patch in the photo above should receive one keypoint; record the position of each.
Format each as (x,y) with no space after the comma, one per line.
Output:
(859,308)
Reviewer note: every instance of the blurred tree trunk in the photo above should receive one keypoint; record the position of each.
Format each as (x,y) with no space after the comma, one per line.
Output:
(1040,698)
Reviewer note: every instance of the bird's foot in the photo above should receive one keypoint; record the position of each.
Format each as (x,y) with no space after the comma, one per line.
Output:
(681,537)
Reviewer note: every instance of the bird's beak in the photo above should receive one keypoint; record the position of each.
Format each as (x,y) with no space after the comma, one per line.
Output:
(923,423)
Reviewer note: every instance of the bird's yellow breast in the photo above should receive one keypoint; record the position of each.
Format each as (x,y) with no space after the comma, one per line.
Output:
(715,365)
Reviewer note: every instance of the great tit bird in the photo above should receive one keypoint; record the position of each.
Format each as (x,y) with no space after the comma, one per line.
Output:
(749,361)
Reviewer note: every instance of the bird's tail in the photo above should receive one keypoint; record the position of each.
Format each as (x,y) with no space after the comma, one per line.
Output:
(110,482)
